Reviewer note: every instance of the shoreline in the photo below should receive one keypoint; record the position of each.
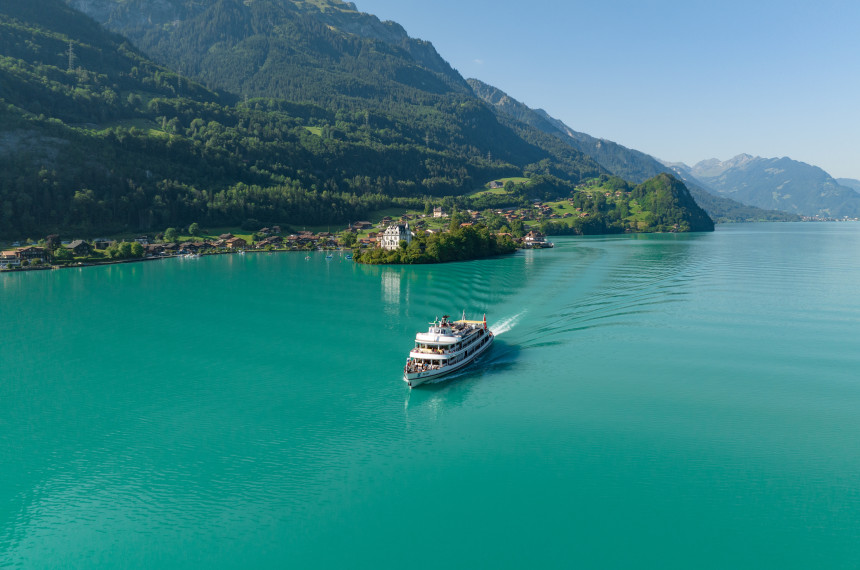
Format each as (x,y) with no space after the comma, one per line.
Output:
(79,265)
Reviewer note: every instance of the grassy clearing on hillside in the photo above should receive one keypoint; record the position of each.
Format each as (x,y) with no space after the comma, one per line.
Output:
(314,130)
(514,179)
(147,126)
(485,191)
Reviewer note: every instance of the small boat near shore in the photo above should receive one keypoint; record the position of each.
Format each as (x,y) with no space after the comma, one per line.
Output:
(447,346)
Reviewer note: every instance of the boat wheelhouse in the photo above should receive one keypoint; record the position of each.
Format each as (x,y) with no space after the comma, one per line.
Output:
(447,346)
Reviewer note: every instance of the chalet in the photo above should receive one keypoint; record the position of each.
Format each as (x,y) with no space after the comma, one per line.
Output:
(276,229)
(191,246)
(533,238)
(9,259)
(394,234)
(31,253)
(142,240)
(385,221)
(154,249)
(102,243)
(226,236)
(171,247)
(236,243)
(265,231)
(438,213)
(80,248)
(273,241)
(496,184)
(362,225)
(301,239)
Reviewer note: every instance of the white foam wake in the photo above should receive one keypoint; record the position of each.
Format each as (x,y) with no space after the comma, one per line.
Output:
(505,325)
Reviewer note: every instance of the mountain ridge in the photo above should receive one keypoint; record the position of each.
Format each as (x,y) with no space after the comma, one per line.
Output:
(629,164)
(778,183)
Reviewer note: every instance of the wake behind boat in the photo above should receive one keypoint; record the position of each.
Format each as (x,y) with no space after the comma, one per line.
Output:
(445,347)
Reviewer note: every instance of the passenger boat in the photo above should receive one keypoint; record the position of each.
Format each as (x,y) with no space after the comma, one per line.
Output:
(446,347)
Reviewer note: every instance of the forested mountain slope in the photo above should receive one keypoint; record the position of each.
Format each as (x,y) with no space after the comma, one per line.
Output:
(109,140)
(97,138)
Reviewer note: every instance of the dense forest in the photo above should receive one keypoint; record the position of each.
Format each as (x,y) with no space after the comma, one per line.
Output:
(97,138)
(104,140)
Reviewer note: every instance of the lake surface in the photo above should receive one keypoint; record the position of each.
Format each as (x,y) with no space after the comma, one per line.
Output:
(665,401)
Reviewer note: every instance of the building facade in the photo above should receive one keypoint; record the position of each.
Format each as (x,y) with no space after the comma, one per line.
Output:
(393,234)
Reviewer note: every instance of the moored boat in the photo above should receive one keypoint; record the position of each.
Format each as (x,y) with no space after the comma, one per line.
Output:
(447,346)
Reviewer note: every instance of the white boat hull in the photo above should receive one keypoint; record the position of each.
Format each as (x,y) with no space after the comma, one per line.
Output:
(417,378)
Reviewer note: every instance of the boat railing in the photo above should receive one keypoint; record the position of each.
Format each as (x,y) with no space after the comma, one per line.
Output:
(432,351)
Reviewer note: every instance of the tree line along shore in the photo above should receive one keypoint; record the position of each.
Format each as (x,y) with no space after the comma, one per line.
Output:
(447,239)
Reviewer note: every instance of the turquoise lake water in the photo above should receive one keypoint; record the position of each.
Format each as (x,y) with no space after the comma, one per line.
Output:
(651,401)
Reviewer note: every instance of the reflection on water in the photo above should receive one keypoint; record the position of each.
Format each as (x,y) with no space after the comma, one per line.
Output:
(390,283)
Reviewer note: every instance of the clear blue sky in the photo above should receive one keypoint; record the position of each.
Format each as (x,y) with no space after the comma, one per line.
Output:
(680,80)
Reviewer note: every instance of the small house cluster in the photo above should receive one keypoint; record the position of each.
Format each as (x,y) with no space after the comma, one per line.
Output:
(35,255)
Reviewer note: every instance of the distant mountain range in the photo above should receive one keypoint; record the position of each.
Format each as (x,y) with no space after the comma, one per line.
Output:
(778,183)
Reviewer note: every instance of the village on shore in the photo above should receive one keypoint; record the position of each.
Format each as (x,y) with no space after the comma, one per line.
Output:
(388,233)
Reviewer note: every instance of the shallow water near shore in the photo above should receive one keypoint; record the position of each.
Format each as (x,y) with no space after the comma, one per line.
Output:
(667,401)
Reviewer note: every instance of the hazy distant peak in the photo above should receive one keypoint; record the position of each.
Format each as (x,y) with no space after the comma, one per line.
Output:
(715,166)
(779,183)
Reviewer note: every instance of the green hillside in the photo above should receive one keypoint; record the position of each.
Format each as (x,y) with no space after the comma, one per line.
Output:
(97,138)
(116,142)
